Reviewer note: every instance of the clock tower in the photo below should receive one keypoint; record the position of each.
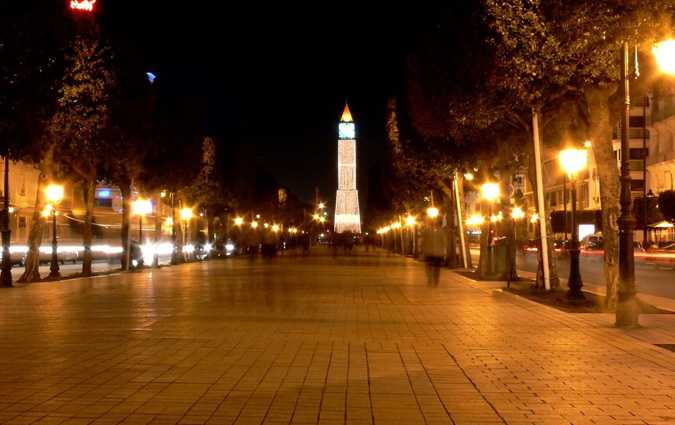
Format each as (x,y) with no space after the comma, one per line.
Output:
(347,215)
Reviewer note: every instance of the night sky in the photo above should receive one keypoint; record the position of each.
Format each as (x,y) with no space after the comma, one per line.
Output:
(271,81)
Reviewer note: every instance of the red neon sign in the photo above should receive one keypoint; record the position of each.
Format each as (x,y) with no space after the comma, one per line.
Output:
(85,5)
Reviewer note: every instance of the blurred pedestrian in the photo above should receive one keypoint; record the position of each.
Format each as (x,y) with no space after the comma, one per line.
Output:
(433,248)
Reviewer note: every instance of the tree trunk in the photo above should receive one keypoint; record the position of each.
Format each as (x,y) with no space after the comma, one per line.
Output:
(508,224)
(483,264)
(89,192)
(451,247)
(460,194)
(32,265)
(125,188)
(552,262)
(608,174)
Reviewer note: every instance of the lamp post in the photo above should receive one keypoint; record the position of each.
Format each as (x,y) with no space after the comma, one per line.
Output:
(141,207)
(185,216)
(411,223)
(54,196)
(573,161)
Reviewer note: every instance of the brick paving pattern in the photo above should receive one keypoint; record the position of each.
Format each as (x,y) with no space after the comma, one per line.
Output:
(318,340)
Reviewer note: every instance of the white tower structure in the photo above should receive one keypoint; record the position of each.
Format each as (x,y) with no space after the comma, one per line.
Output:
(347,215)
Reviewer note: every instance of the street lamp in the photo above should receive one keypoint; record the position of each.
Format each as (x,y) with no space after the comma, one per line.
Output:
(664,52)
(322,205)
(432,212)
(254,225)
(185,216)
(573,161)
(54,196)
(238,221)
(141,207)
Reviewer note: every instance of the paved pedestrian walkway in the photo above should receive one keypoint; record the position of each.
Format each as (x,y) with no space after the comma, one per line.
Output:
(316,340)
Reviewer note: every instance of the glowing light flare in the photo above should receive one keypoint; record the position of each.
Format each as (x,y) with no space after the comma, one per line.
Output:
(664,52)
(517,213)
(47,211)
(275,228)
(254,225)
(572,161)
(82,5)
(322,205)
(496,218)
(322,220)
(469,176)
(54,193)
(186,214)
(141,206)
(238,221)
(316,216)
(490,191)
(410,220)
(432,212)
(475,220)
(534,218)
(395,225)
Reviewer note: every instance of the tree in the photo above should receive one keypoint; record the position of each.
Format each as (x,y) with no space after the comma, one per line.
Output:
(29,72)
(550,49)
(80,123)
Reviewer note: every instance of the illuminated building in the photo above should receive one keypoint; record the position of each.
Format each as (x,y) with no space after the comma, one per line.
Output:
(347,215)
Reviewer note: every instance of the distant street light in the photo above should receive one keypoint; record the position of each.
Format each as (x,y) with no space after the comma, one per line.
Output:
(468,176)
(432,212)
(573,161)
(322,205)
(475,220)
(254,224)
(410,221)
(141,207)
(316,217)
(517,213)
(238,221)
(185,215)
(54,196)
(275,228)
(490,192)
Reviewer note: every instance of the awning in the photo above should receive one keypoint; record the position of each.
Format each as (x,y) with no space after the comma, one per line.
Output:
(662,225)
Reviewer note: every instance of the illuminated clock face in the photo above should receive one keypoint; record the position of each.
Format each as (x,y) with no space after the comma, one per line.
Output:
(346,130)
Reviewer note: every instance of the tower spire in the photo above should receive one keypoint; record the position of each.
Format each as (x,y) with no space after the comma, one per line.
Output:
(346,114)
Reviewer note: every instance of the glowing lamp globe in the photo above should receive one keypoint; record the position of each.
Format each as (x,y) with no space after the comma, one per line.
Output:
(54,193)
(475,220)
(410,221)
(573,161)
(490,191)
(141,206)
(432,212)
(185,214)
(238,221)
(664,52)
(517,213)
(254,225)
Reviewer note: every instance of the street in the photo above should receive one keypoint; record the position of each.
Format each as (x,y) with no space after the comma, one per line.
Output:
(360,339)
(650,278)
